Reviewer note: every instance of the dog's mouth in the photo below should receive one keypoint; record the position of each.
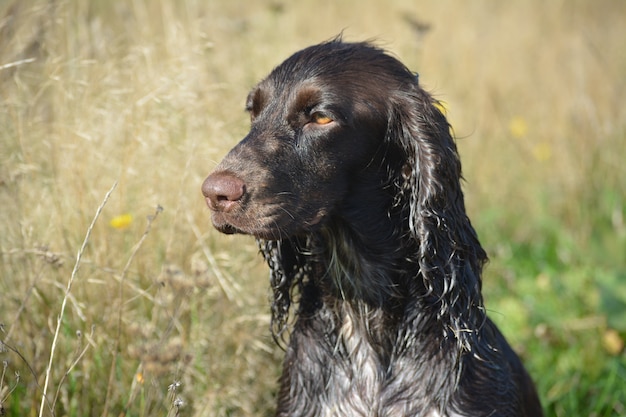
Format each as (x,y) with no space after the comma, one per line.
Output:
(227,229)
(225,225)
(265,227)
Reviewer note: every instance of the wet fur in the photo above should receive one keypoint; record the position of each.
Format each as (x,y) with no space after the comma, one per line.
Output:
(364,228)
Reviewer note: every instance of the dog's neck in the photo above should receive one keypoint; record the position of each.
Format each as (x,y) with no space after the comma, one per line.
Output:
(365,250)
(358,265)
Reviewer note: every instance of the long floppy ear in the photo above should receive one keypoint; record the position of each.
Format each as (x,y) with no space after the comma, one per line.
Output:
(450,255)
(287,267)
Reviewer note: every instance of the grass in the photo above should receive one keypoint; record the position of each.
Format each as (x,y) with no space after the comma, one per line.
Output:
(164,316)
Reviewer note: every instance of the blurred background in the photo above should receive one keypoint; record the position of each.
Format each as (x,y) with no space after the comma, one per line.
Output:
(165,316)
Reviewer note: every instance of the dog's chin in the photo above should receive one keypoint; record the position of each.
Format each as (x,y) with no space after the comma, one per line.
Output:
(227,229)
(270,234)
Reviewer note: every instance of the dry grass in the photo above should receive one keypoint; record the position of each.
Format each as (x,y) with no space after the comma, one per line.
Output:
(149,95)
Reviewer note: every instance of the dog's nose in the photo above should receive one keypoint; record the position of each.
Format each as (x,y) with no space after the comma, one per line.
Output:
(223,191)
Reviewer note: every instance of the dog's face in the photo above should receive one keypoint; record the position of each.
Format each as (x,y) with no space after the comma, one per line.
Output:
(315,128)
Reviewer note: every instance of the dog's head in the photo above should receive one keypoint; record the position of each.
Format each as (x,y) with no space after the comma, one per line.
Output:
(319,124)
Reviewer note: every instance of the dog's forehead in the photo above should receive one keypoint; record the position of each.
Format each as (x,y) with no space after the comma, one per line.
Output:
(298,94)
(306,95)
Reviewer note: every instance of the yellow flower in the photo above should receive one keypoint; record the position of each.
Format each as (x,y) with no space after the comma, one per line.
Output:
(121,222)
(518,127)
(542,151)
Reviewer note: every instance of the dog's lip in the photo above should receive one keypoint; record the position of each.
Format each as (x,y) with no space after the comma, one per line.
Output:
(222,224)
(225,225)
(228,229)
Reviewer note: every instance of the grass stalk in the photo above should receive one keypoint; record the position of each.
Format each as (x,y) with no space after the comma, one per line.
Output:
(66,297)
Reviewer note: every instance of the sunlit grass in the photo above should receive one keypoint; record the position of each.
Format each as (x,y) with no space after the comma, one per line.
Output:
(166,316)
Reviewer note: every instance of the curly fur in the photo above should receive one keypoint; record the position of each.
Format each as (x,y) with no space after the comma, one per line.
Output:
(351,182)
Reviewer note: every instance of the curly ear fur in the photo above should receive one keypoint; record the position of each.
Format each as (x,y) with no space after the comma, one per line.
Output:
(450,256)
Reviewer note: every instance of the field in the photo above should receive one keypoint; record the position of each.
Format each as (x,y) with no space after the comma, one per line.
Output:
(130,304)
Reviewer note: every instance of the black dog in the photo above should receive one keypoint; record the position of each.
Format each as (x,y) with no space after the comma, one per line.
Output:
(350,180)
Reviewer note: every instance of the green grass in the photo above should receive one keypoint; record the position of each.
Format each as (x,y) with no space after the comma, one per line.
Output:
(149,95)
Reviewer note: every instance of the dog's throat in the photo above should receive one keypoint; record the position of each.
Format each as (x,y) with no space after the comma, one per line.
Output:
(351,275)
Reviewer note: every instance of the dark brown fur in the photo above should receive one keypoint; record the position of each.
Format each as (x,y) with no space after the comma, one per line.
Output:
(350,180)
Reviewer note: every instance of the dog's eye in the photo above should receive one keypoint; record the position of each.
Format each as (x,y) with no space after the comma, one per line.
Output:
(320,118)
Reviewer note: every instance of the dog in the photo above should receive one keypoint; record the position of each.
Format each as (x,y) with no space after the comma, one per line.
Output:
(350,180)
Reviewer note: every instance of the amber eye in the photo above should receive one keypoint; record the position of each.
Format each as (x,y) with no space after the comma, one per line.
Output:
(320,118)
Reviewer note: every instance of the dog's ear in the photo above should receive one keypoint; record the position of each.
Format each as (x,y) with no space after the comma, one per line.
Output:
(287,265)
(450,255)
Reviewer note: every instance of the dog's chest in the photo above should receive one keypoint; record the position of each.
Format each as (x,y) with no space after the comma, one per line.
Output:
(362,368)
(366,376)
(349,358)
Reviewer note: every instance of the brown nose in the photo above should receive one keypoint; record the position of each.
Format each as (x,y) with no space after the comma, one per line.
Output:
(222,191)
